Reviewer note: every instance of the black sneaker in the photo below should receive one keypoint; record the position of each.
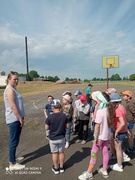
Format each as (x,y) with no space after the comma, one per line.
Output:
(61,170)
(56,171)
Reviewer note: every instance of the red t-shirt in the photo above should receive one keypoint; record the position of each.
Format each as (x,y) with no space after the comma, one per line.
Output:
(120,112)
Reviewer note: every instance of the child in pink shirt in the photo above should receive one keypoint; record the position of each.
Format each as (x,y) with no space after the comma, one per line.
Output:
(120,131)
(104,119)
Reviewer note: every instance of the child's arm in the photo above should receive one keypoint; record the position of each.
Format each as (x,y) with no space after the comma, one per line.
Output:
(122,123)
(47,127)
(74,114)
(96,131)
(45,113)
(71,112)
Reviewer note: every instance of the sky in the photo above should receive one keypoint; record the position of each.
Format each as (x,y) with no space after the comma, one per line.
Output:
(67,38)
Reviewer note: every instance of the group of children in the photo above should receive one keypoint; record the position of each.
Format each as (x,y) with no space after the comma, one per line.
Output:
(111,124)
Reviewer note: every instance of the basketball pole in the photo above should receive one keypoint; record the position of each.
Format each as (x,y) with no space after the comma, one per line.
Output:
(27,65)
(107,77)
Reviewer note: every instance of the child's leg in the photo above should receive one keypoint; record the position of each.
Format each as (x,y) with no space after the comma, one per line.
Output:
(61,158)
(93,159)
(55,158)
(61,152)
(105,155)
(112,146)
(119,152)
(118,147)
(130,137)
(68,132)
(80,130)
(85,130)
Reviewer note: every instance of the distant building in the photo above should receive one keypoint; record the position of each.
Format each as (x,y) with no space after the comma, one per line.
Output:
(2,73)
(2,80)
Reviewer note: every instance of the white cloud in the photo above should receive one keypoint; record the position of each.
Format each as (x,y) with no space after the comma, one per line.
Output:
(68,39)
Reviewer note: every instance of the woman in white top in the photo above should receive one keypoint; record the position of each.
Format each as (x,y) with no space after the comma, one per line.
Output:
(14,113)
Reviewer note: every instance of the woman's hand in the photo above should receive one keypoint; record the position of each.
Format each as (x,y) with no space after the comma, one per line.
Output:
(21,121)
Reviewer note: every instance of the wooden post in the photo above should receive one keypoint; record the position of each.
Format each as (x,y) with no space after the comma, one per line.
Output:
(27,64)
(107,77)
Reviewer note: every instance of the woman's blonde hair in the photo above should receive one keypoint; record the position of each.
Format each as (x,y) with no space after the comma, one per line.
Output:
(10,75)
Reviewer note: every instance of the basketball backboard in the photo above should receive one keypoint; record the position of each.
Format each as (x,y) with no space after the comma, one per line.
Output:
(110,61)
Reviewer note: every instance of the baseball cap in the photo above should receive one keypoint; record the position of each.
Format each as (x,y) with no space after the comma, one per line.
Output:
(129,93)
(78,92)
(56,103)
(83,98)
(115,97)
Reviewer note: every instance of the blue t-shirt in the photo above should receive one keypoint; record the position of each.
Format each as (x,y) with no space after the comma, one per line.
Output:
(88,90)
(48,108)
(57,123)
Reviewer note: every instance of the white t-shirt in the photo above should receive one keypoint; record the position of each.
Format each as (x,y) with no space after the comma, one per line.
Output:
(101,118)
(76,106)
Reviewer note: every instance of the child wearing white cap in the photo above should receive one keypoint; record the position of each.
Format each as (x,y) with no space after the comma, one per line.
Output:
(57,124)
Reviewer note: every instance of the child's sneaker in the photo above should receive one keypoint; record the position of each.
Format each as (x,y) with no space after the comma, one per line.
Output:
(103,173)
(56,171)
(126,158)
(85,175)
(83,142)
(16,166)
(61,170)
(116,167)
(78,141)
(67,145)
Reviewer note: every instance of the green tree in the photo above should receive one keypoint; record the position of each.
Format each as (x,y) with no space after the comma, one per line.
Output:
(125,78)
(86,81)
(132,77)
(115,77)
(56,79)
(67,79)
(33,74)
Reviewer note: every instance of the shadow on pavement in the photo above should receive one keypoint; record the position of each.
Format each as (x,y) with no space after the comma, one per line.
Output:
(77,157)
(36,154)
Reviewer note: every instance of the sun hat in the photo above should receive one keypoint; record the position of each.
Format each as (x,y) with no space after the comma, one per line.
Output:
(67,97)
(111,90)
(78,92)
(129,93)
(56,103)
(115,97)
(67,92)
(94,95)
(83,98)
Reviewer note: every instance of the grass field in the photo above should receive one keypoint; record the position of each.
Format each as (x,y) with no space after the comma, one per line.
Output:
(32,88)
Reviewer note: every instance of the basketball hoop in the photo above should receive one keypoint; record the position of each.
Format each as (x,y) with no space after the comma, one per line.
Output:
(111,65)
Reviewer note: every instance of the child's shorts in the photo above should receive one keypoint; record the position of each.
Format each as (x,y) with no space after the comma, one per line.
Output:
(121,136)
(57,145)
(131,125)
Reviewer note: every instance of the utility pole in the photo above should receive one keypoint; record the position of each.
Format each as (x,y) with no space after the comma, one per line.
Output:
(27,64)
